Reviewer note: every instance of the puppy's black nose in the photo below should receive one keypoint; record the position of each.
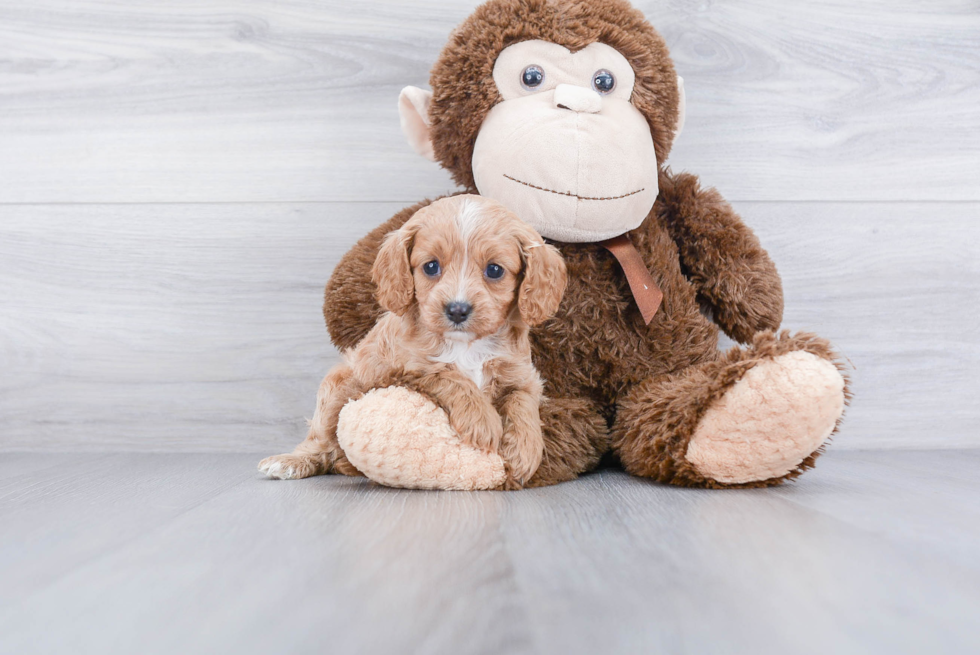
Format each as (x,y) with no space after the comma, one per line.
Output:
(457,312)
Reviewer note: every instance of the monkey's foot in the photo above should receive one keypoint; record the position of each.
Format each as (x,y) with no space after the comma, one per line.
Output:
(399,438)
(780,412)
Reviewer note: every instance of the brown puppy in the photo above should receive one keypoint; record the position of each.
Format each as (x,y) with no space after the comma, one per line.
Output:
(462,281)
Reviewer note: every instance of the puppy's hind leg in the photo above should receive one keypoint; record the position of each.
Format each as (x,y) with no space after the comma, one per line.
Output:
(319,453)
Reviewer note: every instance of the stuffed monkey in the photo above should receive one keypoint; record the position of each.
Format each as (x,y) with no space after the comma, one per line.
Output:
(565,112)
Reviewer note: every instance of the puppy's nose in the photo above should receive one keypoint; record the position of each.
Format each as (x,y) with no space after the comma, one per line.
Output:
(458,312)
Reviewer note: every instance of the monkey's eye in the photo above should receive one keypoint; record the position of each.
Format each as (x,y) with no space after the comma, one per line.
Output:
(494,271)
(532,77)
(603,81)
(431,268)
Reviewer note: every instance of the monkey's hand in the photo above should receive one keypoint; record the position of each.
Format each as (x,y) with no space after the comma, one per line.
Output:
(722,257)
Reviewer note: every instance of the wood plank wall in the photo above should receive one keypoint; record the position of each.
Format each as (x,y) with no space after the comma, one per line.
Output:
(178,179)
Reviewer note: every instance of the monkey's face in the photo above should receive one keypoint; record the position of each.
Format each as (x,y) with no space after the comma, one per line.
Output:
(566,150)
(565,128)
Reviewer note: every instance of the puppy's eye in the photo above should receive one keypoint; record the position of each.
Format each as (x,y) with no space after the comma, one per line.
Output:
(431,268)
(494,271)
(603,81)
(532,77)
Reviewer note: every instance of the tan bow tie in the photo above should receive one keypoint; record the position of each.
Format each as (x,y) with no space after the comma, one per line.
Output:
(646,293)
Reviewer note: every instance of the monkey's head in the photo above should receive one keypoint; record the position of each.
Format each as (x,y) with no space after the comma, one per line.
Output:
(558,109)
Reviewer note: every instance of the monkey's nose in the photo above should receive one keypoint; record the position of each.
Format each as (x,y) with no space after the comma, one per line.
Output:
(577,98)
(458,312)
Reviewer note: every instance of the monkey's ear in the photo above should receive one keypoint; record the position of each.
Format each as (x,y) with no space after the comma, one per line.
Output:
(681,108)
(413,109)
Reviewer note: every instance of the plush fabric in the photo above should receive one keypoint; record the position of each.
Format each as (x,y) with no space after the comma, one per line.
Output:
(413,110)
(576,176)
(564,68)
(660,397)
(582,175)
(658,418)
(464,89)
(769,421)
(400,439)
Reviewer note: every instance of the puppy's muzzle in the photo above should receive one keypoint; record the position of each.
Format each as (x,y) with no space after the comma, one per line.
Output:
(458,312)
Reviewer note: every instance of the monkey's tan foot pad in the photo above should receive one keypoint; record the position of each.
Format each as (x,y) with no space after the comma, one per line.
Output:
(780,412)
(399,438)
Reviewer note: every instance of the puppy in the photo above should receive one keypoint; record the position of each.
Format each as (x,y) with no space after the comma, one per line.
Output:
(462,282)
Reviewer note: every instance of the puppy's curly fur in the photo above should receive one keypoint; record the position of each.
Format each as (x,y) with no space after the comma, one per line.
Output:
(462,282)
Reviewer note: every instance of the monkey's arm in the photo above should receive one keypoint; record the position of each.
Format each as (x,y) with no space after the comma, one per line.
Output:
(349,306)
(722,257)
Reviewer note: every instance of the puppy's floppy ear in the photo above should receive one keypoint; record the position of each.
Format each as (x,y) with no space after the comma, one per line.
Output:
(544,279)
(392,271)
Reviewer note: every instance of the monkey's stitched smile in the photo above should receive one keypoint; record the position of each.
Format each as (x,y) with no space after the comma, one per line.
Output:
(569,193)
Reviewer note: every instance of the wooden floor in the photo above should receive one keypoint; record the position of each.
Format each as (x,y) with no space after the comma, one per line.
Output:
(166,553)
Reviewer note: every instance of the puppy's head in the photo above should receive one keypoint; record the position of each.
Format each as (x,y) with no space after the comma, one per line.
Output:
(469,265)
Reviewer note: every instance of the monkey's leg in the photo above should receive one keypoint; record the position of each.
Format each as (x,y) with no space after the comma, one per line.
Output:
(753,418)
(400,438)
(575,438)
(319,453)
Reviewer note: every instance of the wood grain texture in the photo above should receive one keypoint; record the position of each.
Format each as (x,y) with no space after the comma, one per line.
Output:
(197,553)
(167,327)
(198,327)
(292,100)
(895,287)
(894,494)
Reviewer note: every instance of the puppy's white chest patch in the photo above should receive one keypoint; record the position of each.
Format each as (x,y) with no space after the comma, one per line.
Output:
(469,356)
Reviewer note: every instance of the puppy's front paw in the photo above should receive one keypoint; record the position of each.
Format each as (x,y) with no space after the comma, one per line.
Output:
(522,463)
(522,450)
(481,431)
(287,467)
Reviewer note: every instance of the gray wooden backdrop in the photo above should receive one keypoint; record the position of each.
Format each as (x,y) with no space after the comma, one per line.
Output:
(178,179)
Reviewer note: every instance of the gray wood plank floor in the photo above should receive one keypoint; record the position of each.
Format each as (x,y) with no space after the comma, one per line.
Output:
(874,552)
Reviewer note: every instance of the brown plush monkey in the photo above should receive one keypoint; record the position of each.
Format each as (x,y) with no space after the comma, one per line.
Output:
(565,112)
